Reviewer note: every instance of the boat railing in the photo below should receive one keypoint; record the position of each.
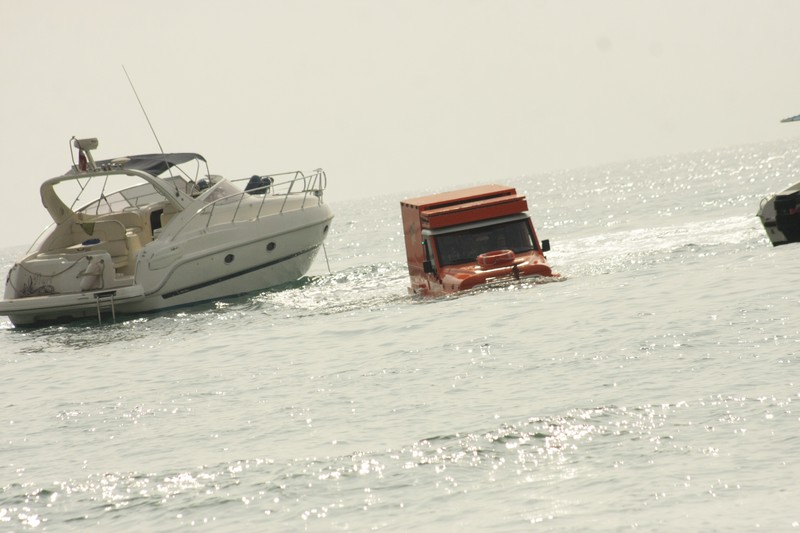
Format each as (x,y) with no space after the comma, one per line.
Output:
(285,185)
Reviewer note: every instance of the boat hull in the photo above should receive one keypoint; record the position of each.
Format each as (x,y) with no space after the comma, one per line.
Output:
(209,264)
(36,310)
(232,270)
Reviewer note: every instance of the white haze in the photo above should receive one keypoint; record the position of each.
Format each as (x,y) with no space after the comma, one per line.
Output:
(387,96)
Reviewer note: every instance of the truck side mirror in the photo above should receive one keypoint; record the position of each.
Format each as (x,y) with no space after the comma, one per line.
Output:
(546,245)
(427,267)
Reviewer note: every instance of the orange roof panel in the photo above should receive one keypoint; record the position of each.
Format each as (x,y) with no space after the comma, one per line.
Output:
(460,196)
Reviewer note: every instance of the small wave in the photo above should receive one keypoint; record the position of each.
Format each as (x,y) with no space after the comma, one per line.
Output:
(537,449)
(643,247)
(369,286)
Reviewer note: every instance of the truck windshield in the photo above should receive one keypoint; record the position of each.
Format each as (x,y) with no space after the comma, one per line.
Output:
(465,246)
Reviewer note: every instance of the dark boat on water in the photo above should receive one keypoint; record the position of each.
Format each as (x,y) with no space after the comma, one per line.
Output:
(780,213)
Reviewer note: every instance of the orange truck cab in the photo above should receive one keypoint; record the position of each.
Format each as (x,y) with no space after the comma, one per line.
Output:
(459,239)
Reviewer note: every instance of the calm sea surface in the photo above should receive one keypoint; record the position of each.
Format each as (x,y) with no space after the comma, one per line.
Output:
(657,386)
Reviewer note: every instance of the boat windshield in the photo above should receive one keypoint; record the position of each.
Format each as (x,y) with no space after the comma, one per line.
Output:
(465,246)
(222,192)
(113,193)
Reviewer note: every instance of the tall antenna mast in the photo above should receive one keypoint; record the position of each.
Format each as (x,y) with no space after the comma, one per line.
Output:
(149,123)
(143,110)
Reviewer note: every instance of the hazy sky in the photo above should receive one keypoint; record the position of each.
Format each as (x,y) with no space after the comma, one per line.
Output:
(387,96)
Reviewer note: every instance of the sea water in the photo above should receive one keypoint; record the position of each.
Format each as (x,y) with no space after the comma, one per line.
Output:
(654,386)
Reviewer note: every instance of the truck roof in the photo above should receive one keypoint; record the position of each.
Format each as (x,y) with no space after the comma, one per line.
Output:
(461,196)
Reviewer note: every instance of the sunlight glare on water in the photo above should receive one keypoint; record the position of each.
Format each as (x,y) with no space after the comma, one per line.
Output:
(653,386)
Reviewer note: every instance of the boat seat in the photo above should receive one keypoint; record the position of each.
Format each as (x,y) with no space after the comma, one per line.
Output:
(110,236)
(132,220)
(134,227)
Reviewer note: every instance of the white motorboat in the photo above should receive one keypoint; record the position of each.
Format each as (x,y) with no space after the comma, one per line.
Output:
(155,231)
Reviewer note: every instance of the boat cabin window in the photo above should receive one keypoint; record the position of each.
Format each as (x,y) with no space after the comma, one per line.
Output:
(465,246)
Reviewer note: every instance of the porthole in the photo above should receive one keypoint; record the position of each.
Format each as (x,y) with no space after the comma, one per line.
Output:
(229,258)
(270,246)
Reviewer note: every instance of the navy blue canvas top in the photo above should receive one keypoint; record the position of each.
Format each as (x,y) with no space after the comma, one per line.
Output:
(153,164)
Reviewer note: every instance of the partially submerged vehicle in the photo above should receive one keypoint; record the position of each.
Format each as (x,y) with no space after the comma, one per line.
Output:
(154,231)
(459,239)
